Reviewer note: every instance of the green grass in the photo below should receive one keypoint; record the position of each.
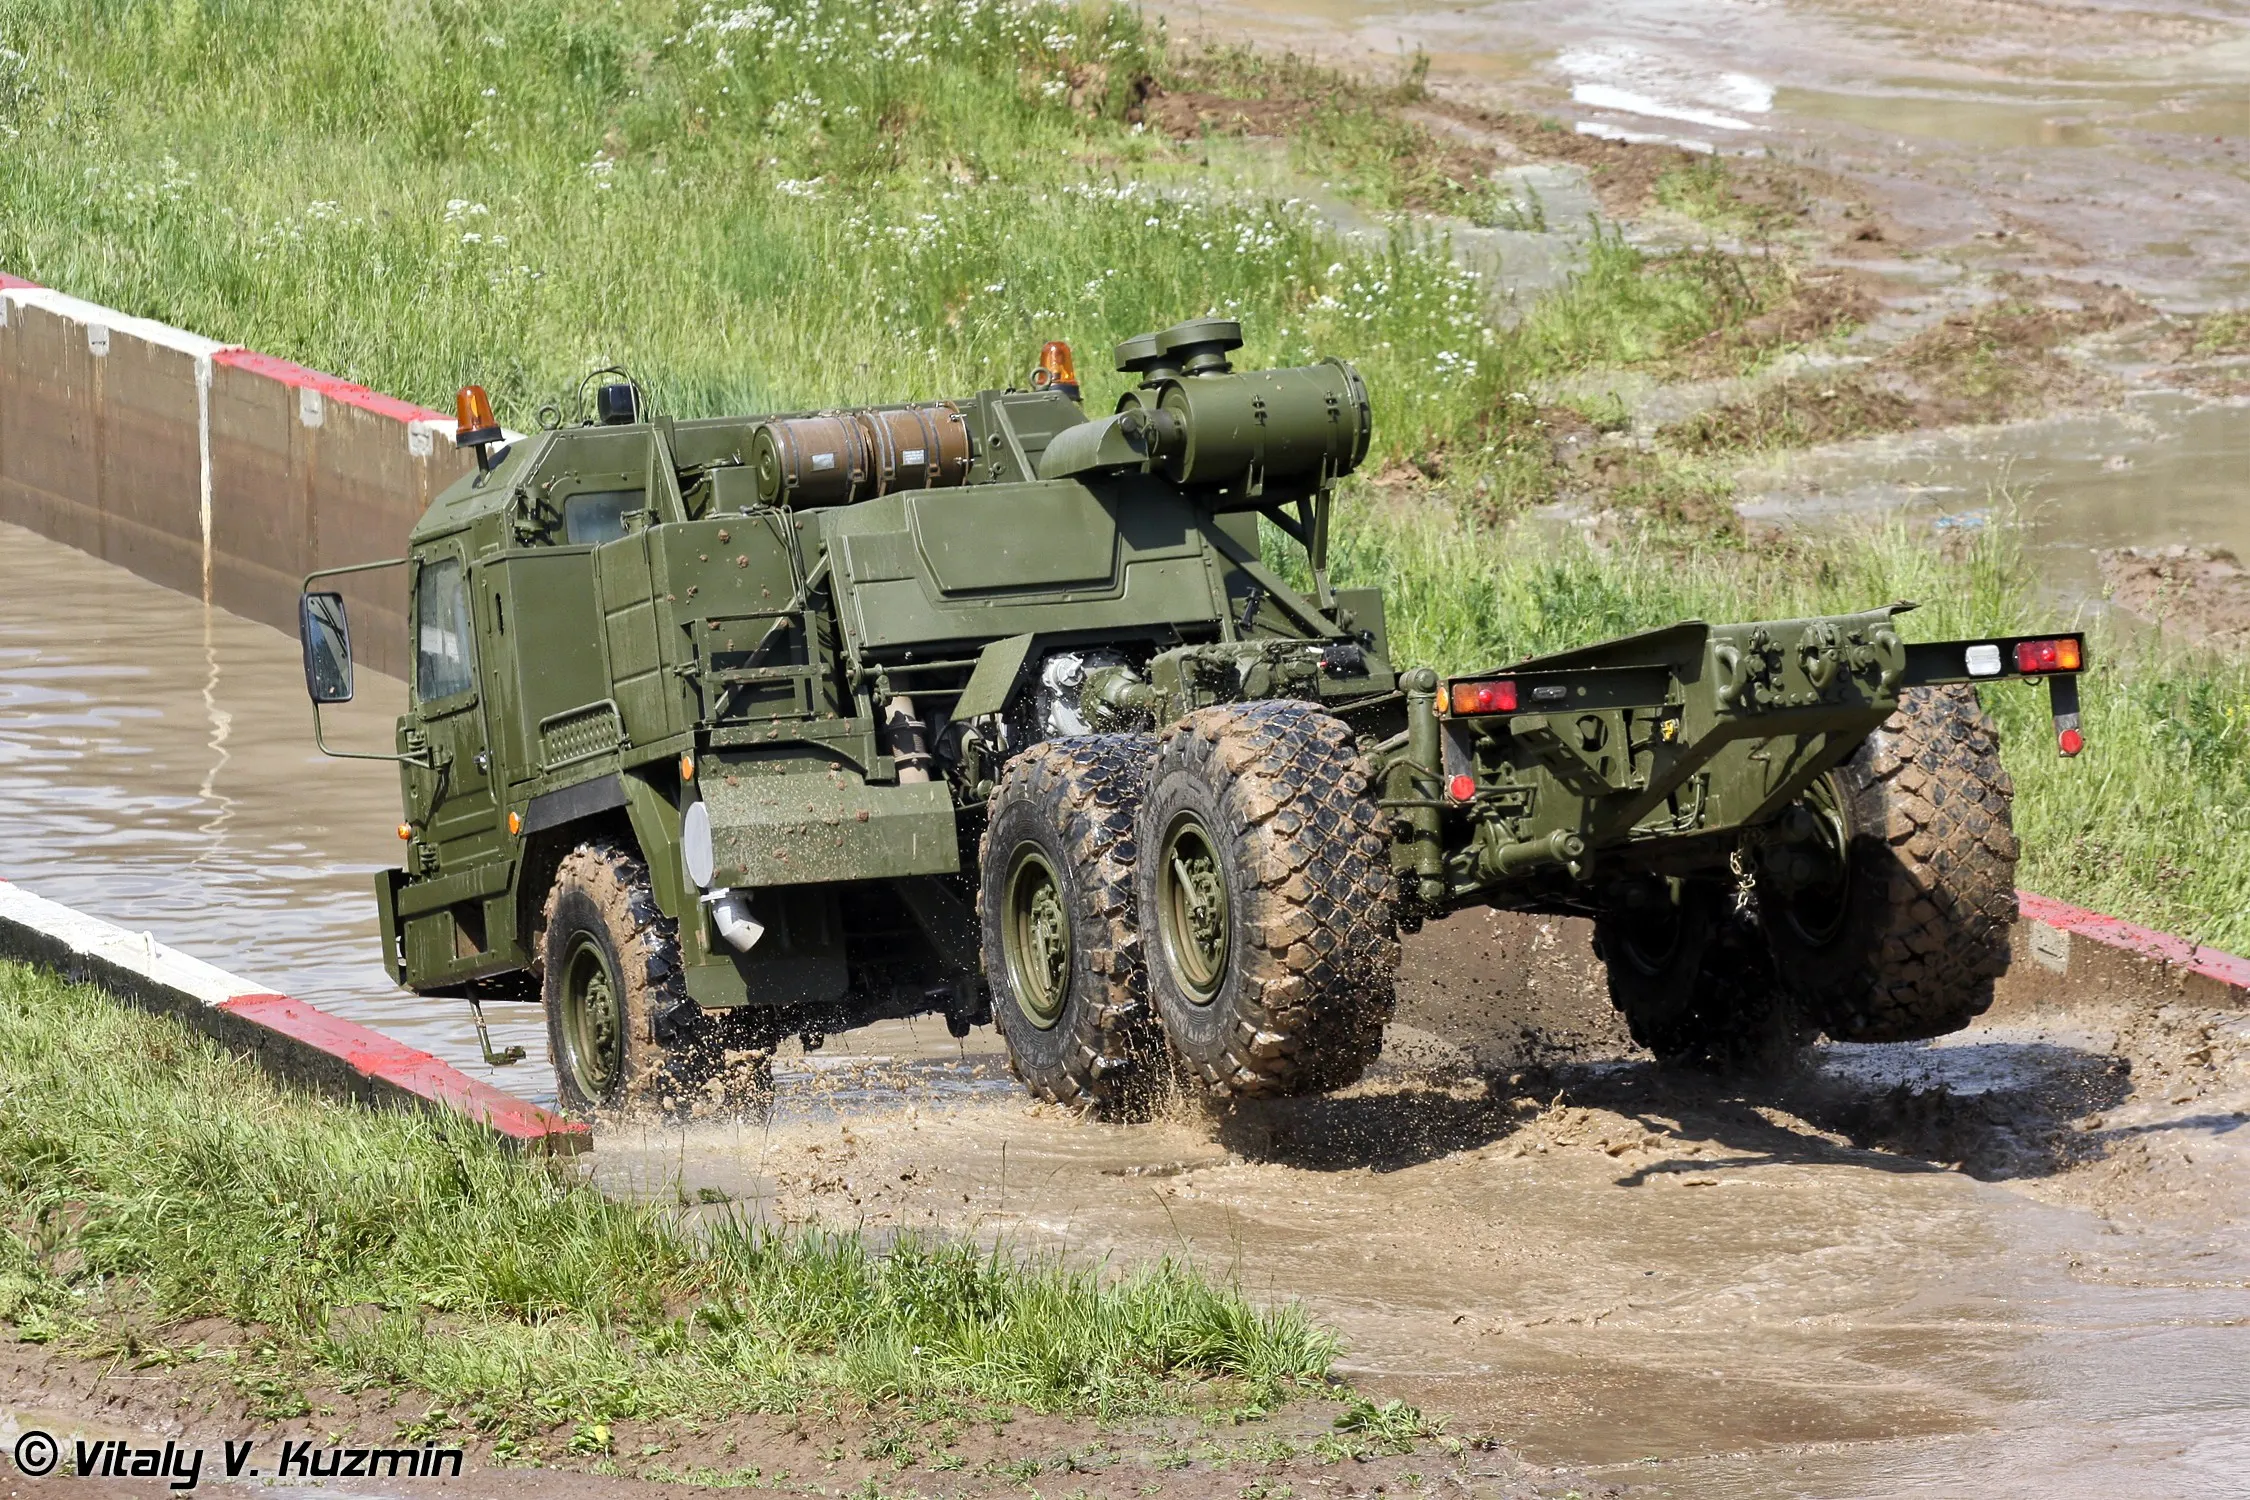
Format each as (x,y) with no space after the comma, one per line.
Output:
(790,203)
(149,1180)
(2151,823)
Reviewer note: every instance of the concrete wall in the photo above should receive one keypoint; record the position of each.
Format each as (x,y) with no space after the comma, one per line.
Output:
(208,468)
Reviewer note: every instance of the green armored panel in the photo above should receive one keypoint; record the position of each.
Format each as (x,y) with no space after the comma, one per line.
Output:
(550,613)
(723,585)
(998,560)
(1015,537)
(800,960)
(805,826)
(629,628)
(701,442)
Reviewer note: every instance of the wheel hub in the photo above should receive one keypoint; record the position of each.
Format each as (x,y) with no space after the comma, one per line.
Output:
(1815,866)
(1035,935)
(1193,912)
(593,1020)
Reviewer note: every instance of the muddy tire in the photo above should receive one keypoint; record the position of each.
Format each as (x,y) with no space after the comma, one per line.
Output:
(1906,941)
(1694,981)
(1062,947)
(621,1032)
(1266,892)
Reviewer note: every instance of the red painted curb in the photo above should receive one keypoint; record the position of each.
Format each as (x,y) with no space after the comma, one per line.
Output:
(18,284)
(332,387)
(2142,942)
(386,1060)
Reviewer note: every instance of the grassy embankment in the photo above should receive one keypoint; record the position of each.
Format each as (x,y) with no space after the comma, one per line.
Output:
(788,203)
(150,1182)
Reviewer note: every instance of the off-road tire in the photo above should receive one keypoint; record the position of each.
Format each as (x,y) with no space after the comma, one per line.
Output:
(601,918)
(1921,931)
(1695,984)
(1270,804)
(1063,814)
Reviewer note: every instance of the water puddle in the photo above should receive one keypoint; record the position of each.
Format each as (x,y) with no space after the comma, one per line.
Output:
(1621,1270)
(2163,470)
(159,772)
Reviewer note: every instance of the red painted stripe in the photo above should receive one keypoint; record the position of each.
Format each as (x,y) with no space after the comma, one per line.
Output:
(374,1055)
(17,283)
(2144,942)
(332,387)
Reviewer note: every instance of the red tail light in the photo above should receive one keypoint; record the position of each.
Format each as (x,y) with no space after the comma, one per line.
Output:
(2070,742)
(2047,656)
(1483,698)
(1462,788)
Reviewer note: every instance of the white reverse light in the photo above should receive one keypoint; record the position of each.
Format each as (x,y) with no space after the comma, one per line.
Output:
(1984,661)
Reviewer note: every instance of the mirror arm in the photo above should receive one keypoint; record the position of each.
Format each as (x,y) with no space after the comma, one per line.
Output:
(425,758)
(310,578)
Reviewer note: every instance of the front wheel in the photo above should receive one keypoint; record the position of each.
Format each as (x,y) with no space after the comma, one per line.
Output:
(621,1032)
(1266,891)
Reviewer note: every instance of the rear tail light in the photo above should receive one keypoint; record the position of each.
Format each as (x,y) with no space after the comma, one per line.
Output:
(2070,742)
(1483,698)
(2047,656)
(1462,788)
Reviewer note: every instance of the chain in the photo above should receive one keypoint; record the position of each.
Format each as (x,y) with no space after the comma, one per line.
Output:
(1745,883)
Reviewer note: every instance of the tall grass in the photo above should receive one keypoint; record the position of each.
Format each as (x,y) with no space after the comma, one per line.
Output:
(2151,822)
(149,1179)
(782,203)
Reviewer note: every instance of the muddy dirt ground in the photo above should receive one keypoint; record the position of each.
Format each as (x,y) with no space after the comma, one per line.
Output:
(2019,1252)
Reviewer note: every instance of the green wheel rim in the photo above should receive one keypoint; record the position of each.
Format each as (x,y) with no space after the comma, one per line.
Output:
(593,1019)
(1035,937)
(1817,912)
(1193,915)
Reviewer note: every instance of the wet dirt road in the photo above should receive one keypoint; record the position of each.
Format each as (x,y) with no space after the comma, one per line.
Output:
(2086,144)
(2020,1255)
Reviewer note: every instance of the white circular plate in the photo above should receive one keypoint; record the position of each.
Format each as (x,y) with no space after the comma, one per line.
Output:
(695,845)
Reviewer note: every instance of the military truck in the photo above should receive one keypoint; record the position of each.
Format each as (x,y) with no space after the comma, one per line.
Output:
(726,730)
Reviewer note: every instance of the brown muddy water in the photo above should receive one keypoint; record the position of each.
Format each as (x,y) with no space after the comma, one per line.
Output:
(2087,143)
(2015,1261)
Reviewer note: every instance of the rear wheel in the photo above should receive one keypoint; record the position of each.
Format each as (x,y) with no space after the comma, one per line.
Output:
(1062,945)
(1897,922)
(621,1032)
(1266,888)
(1694,980)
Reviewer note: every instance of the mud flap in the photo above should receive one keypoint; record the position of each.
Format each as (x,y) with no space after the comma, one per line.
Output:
(387,883)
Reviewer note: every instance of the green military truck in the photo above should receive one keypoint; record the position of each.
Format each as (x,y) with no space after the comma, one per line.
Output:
(726,730)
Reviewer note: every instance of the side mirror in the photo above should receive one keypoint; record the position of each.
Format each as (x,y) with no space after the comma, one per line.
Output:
(327,637)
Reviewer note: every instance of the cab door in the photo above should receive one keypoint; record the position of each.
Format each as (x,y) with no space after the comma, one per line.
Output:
(450,797)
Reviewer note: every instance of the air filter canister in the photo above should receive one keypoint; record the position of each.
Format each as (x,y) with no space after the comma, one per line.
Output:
(807,461)
(839,457)
(916,447)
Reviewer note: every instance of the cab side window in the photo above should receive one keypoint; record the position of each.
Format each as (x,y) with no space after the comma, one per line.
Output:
(442,663)
(596,516)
